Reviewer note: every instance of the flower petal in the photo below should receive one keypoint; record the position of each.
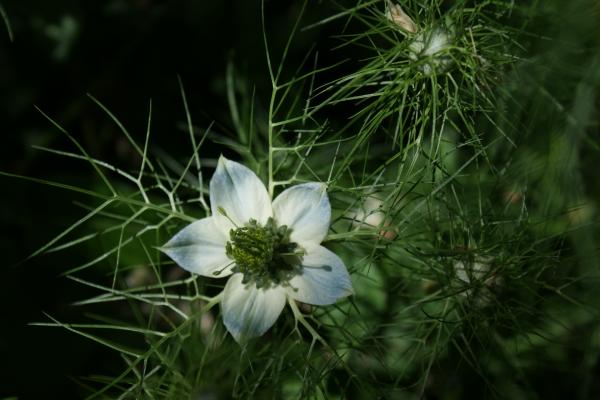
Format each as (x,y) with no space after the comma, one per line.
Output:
(247,311)
(324,278)
(200,247)
(306,210)
(238,191)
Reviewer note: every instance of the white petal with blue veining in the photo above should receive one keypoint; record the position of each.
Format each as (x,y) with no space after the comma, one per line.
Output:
(324,278)
(238,191)
(249,312)
(306,210)
(200,247)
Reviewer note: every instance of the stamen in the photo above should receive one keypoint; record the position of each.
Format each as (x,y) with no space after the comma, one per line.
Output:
(218,272)
(264,254)
(222,211)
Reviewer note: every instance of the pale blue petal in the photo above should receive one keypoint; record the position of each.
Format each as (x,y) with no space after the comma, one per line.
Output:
(200,247)
(324,278)
(238,191)
(249,312)
(306,210)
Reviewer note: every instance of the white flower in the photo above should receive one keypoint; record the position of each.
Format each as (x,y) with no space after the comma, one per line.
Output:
(470,274)
(369,213)
(432,46)
(476,280)
(270,251)
(370,216)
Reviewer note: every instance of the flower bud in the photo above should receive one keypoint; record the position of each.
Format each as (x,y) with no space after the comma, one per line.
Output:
(432,47)
(396,14)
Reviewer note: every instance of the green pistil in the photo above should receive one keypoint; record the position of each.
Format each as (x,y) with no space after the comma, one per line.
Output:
(264,254)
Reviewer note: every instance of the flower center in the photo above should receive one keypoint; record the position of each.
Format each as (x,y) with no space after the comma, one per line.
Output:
(264,254)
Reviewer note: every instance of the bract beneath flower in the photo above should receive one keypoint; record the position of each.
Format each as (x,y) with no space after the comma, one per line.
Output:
(271,251)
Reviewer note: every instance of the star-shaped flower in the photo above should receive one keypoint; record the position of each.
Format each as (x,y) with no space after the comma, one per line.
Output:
(270,250)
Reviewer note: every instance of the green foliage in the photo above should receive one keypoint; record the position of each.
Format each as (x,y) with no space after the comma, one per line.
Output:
(7,23)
